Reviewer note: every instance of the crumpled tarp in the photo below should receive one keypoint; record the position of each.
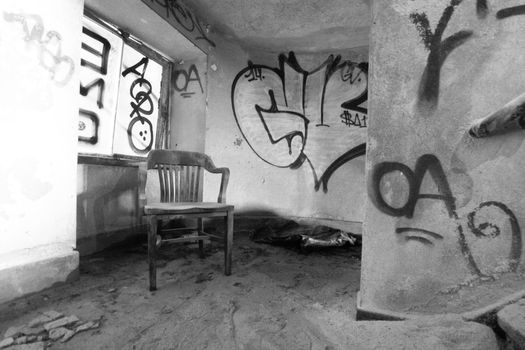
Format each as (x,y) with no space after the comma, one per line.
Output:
(305,237)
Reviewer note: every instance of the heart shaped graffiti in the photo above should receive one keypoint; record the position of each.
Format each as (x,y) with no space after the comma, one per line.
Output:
(290,116)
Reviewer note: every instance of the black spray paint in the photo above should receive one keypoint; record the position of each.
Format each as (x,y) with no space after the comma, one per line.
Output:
(431,164)
(84,90)
(350,72)
(490,230)
(482,8)
(93,118)
(100,66)
(184,17)
(140,91)
(439,50)
(181,80)
(426,163)
(510,11)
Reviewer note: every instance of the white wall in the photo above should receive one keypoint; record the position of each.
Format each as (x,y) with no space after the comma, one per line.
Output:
(39,55)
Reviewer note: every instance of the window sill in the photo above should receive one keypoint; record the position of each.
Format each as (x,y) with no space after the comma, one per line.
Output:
(113,160)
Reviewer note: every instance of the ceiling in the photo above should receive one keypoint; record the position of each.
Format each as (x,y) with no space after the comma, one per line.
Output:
(271,25)
(139,20)
(291,25)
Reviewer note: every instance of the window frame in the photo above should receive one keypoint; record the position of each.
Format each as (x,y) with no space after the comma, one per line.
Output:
(162,134)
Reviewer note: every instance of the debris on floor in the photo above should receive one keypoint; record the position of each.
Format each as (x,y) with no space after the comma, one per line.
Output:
(304,237)
(50,326)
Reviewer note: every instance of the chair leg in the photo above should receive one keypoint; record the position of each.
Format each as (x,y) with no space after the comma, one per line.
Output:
(228,243)
(152,251)
(200,228)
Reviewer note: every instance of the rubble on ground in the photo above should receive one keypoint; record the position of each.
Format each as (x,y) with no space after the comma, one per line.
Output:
(43,330)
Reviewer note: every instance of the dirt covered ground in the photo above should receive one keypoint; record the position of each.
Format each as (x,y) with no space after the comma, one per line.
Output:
(276,298)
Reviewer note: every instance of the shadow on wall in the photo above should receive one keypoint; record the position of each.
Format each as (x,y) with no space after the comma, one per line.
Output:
(108,206)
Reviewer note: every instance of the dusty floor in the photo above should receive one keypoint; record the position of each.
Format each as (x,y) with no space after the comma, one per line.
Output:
(276,298)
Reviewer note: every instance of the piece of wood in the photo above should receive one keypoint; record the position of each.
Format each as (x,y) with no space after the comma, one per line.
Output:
(200,231)
(508,118)
(228,243)
(152,251)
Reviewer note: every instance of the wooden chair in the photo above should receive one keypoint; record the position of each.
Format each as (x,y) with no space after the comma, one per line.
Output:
(180,174)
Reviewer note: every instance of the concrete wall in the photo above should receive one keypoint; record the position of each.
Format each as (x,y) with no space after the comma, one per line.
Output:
(188,105)
(305,157)
(446,216)
(39,51)
(302,155)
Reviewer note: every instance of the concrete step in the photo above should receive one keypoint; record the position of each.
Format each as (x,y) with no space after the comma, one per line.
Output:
(512,320)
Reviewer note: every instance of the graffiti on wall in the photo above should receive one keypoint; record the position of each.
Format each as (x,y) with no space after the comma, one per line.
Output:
(439,48)
(120,89)
(100,57)
(95,58)
(290,116)
(490,223)
(140,128)
(138,103)
(48,44)
(175,11)
(187,82)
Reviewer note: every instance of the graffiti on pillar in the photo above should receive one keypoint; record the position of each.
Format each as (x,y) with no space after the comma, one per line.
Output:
(511,11)
(48,44)
(290,116)
(174,11)
(187,82)
(490,223)
(439,49)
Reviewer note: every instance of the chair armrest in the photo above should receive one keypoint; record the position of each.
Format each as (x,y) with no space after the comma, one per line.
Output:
(224,182)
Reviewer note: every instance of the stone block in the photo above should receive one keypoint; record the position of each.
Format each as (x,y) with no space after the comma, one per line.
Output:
(61,322)
(46,317)
(87,326)
(31,271)
(57,333)
(6,342)
(13,332)
(32,346)
(436,333)
(512,320)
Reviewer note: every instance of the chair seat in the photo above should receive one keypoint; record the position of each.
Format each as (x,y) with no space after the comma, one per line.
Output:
(185,208)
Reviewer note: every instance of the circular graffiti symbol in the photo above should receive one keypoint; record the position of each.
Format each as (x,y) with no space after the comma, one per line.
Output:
(140,135)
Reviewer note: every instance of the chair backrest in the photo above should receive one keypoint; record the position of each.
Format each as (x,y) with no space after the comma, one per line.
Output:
(179,173)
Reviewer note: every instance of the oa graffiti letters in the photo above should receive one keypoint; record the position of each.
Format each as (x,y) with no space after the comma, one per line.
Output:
(491,223)
(49,44)
(139,126)
(185,82)
(290,116)
(173,10)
